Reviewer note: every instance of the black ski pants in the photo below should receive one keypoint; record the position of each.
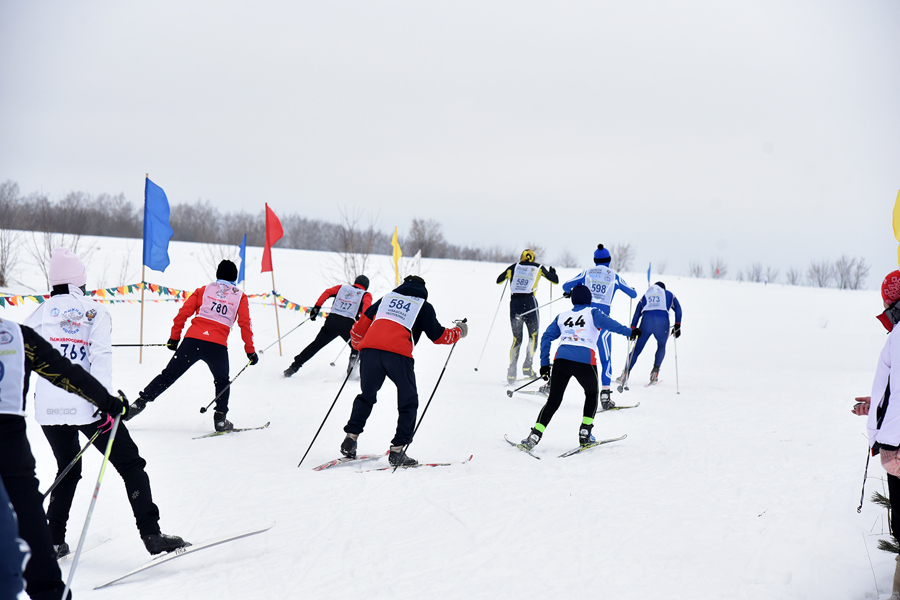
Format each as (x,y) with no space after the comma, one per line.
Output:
(374,366)
(190,351)
(335,326)
(518,305)
(563,370)
(124,457)
(42,576)
(12,555)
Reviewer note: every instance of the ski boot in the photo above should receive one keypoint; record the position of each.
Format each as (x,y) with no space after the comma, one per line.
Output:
(291,370)
(654,374)
(532,440)
(606,402)
(545,389)
(527,371)
(511,375)
(621,378)
(348,446)
(398,458)
(221,423)
(157,543)
(584,435)
(137,407)
(60,550)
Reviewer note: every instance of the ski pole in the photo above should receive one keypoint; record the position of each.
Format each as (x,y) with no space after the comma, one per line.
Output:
(675,346)
(510,392)
(135,345)
(205,408)
(541,306)
(87,521)
(284,336)
(503,291)
(326,417)
(628,365)
(71,464)
(427,404)
(339,353)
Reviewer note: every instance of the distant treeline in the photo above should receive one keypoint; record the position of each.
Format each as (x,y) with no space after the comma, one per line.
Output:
(79,213)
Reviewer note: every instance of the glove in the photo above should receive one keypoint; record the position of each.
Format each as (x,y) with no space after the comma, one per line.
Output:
(172,344)
(545,372)
(567,295)
(106,427)
(463,329)
(635,333)
(552,270)
(676,330)
(253,357)
(126,408)
(313,313)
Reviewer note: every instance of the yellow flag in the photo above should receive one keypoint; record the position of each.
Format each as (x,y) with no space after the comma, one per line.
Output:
(897,224)
(397,253)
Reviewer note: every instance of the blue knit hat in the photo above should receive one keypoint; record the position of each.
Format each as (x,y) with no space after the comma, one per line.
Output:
(580,294)
(601,255)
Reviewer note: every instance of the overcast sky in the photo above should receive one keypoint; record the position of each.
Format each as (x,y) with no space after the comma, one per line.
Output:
(764,131)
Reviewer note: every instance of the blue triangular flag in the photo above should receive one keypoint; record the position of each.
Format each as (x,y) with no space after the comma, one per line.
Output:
(243,258)
(157,231)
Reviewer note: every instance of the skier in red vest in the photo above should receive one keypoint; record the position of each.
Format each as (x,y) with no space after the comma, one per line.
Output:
(215,308)
(385,336)
(350,301)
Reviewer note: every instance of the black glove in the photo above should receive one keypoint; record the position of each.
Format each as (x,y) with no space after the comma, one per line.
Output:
(676,330)
(253,357)
(125,406)
(567,294)
(545,372)
(635,333)
(313,313)
(552,270)
(172,344)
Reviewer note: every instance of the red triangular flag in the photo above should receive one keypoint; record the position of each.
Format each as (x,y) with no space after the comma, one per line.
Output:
(274,232)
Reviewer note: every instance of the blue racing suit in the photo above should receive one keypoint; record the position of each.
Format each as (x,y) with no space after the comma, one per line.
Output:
(653,311)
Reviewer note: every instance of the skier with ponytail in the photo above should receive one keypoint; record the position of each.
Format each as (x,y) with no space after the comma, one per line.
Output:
(523,278)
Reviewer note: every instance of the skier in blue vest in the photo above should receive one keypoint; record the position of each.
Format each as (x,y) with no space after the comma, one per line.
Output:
(578,331)
(523,279)
(653,312)
(602,283)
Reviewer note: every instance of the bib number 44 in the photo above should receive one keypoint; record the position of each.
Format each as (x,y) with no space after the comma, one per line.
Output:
(579,322)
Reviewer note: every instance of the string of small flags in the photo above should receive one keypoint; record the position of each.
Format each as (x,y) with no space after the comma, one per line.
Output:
(166,294)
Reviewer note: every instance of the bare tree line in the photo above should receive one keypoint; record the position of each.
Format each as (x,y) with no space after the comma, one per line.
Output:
(846,273)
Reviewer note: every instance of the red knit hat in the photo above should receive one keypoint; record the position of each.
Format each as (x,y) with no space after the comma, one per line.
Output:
(890,287)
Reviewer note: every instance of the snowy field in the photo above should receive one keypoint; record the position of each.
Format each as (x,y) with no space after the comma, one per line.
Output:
(743,486)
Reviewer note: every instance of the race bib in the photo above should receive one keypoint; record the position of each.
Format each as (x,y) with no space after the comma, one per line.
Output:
(655,298)
(400,309)
(67,326)
(523,279)
(12,369)
(577,328)
(220,303)
(346,302)
(602,283)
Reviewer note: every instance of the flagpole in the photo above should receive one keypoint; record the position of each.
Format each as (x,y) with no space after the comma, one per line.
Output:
(143,285)
(275,305)
(143,277)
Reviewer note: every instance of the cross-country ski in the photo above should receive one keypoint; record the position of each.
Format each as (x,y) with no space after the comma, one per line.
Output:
(190,549)
(591,445)
(235,430)
(346,459)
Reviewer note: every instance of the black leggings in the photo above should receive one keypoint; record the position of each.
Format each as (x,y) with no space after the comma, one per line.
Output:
(124,458)
(563,370)
(335,326)
(190,351)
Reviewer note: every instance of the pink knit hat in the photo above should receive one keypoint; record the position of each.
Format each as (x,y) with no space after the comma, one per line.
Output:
(65,267)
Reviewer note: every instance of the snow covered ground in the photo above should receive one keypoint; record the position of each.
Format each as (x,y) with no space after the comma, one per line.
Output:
(745,485)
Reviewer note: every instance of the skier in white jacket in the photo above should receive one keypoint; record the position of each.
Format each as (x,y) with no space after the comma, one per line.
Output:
(80,329)
(884,422)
